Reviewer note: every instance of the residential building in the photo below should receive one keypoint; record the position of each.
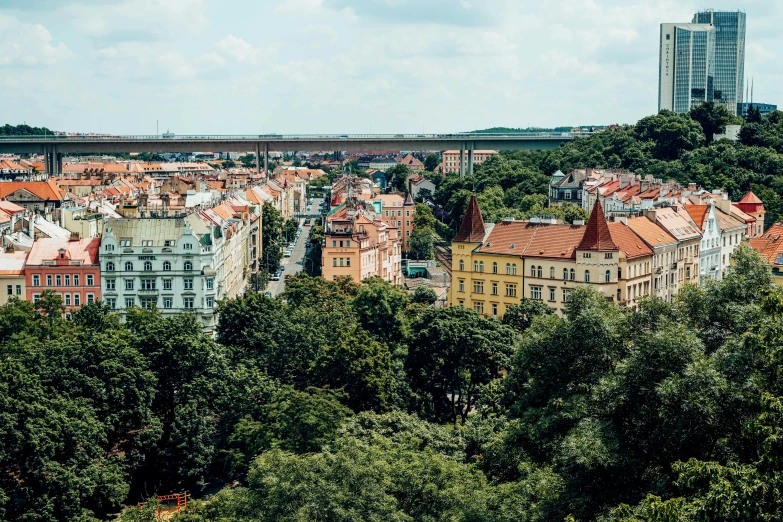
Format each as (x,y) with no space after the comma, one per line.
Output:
(686,66)
(729,57)
(751,205)
(731,233)
(664,248)
(764,108)
(69,267)
(12,278)
(494,266)
(684,268)
(382,164)
(379,178)
(770,247)
(399,213)
(706,218)
(174,264)
(417,183)
(451,159)
(412,162)
(39,197)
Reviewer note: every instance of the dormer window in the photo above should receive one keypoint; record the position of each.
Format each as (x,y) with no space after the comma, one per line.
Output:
(110,248)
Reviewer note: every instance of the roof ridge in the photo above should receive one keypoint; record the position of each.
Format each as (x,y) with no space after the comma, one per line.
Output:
(597,235)
(472,228)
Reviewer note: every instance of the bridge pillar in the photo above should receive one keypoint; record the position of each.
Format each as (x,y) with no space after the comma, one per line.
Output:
(46,159)
(462,161)
(266,159)
(470,157)
(258,158)
(59,163)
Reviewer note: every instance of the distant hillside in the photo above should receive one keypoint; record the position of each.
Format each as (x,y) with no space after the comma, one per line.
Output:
(23,130)
(531,130)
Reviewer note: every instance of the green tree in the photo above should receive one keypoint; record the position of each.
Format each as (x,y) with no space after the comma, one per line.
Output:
(397,177)
(521,316)
(424,295)
(421,244)
(713,118)
(431,161)
(670,134)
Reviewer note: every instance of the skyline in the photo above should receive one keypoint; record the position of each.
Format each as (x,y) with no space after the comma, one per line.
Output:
(378,66)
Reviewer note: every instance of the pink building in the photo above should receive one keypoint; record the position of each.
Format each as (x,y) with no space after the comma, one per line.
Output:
(69,267)
(451,159)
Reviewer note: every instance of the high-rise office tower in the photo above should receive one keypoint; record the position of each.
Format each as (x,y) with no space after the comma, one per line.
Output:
(729,54)
(686,71)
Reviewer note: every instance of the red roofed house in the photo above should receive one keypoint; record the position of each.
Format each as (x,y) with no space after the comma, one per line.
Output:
(754,207)
(770,247)
(69,267)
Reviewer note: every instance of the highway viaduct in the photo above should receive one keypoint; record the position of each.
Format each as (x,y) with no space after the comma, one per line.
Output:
(53,147)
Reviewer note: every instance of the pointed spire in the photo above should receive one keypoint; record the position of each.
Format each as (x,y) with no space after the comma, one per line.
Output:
(597,235)
(408,201)
(471,229)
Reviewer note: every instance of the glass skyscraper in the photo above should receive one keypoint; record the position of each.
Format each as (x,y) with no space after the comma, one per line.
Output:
(687,63)
(729,55)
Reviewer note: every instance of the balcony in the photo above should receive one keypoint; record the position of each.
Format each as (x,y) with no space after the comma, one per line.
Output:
(147,290)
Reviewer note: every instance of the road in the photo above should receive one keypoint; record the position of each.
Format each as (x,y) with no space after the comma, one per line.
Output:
(292,265)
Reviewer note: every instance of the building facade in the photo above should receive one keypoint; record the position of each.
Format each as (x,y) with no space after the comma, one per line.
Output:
(729,57)
(686,66)
(451,159)
(69,267)
(764,108)
(12,277)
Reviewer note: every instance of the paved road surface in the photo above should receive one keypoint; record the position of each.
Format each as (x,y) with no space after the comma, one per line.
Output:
(293,264)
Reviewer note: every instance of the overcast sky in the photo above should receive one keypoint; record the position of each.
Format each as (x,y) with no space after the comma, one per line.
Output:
(347,66)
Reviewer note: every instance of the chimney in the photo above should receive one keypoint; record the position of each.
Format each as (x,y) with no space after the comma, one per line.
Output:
(74,236)
(623,180)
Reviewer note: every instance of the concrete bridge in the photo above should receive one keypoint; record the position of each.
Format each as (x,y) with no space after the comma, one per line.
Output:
(54,146)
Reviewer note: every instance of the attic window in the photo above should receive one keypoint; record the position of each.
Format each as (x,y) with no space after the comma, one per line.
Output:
(489,244)
(513,245)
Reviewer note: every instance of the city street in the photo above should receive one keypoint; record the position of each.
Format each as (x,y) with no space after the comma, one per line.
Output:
(293,264)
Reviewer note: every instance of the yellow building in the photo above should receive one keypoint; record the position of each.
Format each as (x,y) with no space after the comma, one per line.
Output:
(12,277)
(494,266)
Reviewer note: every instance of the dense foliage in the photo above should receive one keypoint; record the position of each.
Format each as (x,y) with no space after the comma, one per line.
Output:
(23,130)
(665,145)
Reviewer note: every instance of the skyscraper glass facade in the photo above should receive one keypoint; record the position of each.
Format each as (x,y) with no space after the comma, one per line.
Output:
(686,75)
(729,55)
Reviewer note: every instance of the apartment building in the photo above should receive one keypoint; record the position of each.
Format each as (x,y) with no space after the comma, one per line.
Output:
(684,267)
(12,279)
(494,266)
(398,212)
(664,248)
(69,267)
(451,159)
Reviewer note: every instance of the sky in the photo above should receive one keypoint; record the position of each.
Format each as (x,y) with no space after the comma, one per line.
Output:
(347,66)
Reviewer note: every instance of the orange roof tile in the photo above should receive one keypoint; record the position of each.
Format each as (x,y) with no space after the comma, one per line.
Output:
(697,213)
(46,190)
(46,249)
(651,233)
(627,241)
(472,228)
(597,235)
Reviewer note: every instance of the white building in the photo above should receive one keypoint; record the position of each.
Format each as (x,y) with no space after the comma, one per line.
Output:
(706,218)
(173,264)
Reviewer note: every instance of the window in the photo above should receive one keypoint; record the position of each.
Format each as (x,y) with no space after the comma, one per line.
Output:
(188,266)
(535,292)
(540,268)
(58,280)
(511,290)
(188,246)
(90,298)
(110,267)
(112,303)
(508,268)
(514,269)
(129,284)
(129,267)
(36,280)
(10,289)
(148,303)
(478,287)
(67,279)
(18,289)
(587,255)
(408,213)
(494,289)
(608,255)
(77,299)
(552,294)
(533,271)
(347,243)
(565,274)
(481,266)
(48,279)
(572,275)
(125,242)
(587,276)
(187,303)
(67,298)
(169,243)
(129,302)
(567,295)
(608,276)
(110,284)
(334,261)
(110,248)
(494,310)
(567,194)
(146,242)
(36,298)
(341,261)
(461,285)
(167,284)
(147,266)
(478,307)
(210,302)
(147,284)
(166,266)
(168,302)
(90,280)
(210,284)
(475,266)
(188,283)
(551,272)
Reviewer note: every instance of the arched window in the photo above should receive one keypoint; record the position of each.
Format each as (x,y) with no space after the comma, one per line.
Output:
(110,267)
(514,269)
(551,272)
(494,268)
(188,265)
(166,266)
(540,269)
(461,265)
(587,276)
(481,266)
(619,273)
(565,274)
(508,268)
(572,275)
(533,271)
(129,267)
(475,266)
(147,266)
(608,276)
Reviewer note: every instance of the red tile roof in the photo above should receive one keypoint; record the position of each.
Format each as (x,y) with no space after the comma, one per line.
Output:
(46,190)
(698,213)
(627,241)
(46,249)
(472,228)
(770,245)
(597,235)
(751,203)
(522,238)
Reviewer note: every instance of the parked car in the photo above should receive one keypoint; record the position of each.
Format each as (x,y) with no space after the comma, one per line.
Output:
(268,294)
(307,222)
(288,253)
(275,276)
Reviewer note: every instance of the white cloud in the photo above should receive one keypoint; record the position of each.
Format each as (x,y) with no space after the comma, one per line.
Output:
(28,45)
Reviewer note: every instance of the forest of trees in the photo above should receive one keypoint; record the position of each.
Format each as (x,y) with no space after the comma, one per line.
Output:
(665,145)
(343,402)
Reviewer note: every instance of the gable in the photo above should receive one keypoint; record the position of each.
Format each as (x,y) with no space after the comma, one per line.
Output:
(23,195)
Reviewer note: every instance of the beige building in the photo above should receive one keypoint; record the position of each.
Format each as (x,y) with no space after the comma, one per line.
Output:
(451,159)
(12,276)
(664,248)
(684,268)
